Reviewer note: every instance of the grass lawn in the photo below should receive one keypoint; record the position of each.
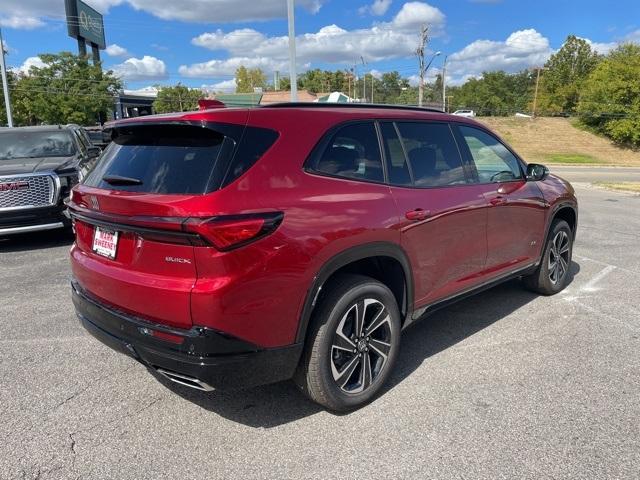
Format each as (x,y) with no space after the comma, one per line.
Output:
(621,186)
(568,158)
(558,141)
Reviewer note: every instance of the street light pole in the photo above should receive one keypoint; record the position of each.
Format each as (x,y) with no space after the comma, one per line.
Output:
(5,83)
(292,52)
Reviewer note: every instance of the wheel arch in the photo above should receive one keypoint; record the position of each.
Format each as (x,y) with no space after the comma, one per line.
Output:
(372,259)
(566,211)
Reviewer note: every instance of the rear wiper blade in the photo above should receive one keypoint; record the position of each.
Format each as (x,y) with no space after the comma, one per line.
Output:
(119,180)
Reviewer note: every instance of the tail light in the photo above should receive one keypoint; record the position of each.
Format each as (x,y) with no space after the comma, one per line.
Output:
(224,232)
(233,231)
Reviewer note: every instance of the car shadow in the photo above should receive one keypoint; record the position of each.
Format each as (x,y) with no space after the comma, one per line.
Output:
(281,403)
(36,241)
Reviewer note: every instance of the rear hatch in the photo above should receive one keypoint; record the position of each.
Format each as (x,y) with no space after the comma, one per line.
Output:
(138,213)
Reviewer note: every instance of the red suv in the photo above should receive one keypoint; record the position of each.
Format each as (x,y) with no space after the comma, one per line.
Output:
(230,248)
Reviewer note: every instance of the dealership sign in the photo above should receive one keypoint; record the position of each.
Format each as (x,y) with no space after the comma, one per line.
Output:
(85,23)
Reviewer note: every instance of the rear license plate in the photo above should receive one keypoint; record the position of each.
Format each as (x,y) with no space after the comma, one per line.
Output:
(105,242)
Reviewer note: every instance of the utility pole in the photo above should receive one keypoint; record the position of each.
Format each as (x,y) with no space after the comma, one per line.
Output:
(372,83)
(364,81)
(535,97)
(355,81)
(292,52)
(5,83)
(424,40)
(444,84)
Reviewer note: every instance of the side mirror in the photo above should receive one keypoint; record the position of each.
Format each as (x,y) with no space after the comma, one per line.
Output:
(536,172)
(93,152)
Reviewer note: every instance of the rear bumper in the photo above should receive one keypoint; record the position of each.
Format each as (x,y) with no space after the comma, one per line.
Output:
(214,358)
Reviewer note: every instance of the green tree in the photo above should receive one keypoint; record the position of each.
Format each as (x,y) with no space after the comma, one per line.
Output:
(495,93)
(177,99)
(14,95)
(249,78)
(67,89)
(610,98)
(564,74)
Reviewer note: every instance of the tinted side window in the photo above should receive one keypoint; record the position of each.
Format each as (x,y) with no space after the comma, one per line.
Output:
(493,161)
(397,166)
(79,141)
(254,144)
(433,154)
(352,152)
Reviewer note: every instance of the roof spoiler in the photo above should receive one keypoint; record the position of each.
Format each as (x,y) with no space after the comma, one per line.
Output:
(206,104)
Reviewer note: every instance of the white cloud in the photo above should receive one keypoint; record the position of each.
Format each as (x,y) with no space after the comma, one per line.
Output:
(522,49)
(241,40)
(220,11)
(116,50)
(633,37)
(21,22)
(29,14)
(145,68)
(332,44)
(413,15)
(378,8)
(149,91)
(220,68)
(28,63)
(227,86)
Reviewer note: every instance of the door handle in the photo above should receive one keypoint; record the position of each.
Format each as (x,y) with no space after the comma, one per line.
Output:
(499,200)
(417,214)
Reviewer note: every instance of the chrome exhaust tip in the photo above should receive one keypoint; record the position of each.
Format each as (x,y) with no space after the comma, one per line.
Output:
(185,380)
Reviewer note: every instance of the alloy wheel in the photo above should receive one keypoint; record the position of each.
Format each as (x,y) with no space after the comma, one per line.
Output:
(559,257)
(361,346)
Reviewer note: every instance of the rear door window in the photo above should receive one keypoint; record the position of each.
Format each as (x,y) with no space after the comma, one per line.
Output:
(433,155)
(352,152)
(179,159)
(397,165)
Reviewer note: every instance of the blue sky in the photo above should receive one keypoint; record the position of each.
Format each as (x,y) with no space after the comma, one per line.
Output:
(200,43)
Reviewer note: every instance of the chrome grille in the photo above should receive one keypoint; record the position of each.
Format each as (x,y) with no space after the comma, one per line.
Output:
(15,196)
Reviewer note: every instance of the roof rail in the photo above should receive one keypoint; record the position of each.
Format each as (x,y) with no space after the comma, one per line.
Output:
(350,105)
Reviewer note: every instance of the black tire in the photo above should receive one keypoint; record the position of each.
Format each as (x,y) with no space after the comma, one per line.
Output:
(553,273)
(325,356)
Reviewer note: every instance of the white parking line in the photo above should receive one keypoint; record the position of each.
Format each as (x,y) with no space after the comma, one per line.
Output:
(590,286)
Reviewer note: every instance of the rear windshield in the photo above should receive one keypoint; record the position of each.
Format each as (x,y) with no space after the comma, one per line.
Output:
(35,144)
(179,159)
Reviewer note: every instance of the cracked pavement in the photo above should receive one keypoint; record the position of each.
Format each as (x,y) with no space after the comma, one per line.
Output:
(501,385)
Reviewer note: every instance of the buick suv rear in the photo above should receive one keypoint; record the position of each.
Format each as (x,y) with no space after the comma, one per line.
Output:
(230,248)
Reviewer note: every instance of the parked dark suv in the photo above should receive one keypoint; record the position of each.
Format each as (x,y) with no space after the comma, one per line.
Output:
(38,168)
(234,247)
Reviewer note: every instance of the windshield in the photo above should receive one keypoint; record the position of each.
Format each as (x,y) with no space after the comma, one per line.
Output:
(35,144)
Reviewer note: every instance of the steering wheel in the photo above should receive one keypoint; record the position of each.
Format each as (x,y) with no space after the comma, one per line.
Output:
(503,172)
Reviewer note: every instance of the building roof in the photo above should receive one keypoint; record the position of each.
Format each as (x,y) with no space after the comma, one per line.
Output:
(285,96)
(335,97)
(239,99)
(264,98)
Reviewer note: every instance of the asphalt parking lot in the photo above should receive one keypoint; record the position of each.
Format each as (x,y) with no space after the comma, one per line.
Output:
(501,385)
